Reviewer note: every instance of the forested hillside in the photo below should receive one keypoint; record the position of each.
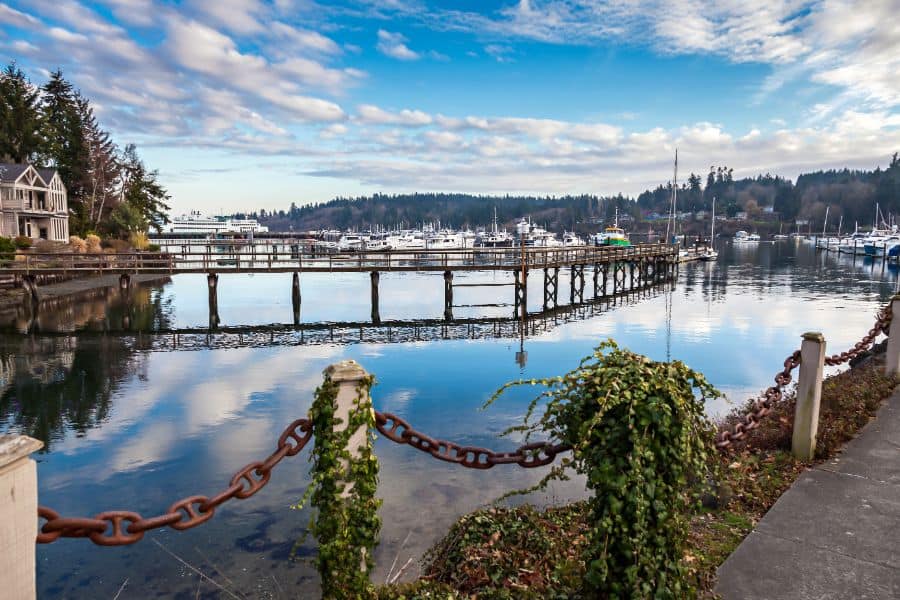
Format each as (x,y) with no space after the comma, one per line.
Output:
(851,194)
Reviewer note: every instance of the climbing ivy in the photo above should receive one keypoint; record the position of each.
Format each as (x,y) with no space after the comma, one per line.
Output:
(641,438)
(346,528)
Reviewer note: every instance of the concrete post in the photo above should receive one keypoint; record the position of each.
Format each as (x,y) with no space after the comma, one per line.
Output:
(212,281)
(18,516)
(124,282)
(348,375)
(892,358)
(809,396)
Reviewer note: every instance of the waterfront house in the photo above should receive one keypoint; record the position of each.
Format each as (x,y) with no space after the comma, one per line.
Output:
(33,203)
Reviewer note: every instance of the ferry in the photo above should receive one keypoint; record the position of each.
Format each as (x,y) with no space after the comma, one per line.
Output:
(197,224)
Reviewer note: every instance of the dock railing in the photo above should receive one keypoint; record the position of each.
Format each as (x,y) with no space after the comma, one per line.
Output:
(20,513)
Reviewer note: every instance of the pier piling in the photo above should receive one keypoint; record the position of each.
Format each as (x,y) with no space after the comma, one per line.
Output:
(375,277)
(212,281)
(295,297)
(448,295)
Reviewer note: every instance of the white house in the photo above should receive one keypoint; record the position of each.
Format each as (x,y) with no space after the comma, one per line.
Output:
(33,202)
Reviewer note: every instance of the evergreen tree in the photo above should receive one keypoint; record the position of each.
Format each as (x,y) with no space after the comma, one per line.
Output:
(103,172)
(64,147)
(20,117)
(143,198)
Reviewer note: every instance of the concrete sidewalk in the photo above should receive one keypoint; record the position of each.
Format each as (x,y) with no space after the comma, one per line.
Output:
(835,533)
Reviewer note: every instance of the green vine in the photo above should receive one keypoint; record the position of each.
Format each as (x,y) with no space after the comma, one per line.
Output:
(346,528)
(641,438)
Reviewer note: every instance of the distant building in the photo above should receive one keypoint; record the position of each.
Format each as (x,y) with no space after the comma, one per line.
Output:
(741,216)
(768,209)
(33,203)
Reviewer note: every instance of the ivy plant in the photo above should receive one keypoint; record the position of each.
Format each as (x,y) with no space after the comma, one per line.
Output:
(641,438)
(346,524)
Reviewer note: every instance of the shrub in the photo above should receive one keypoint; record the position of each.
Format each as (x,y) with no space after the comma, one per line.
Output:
(153,248)
(23,242)
(78,244)
(138,240)
(115,245)
(640,436)
(93,243)
(7,248)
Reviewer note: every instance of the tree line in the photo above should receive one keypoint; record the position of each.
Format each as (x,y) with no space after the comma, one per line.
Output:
(110,189)
(851,195)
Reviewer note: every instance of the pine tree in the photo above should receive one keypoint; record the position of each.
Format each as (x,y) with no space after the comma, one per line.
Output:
(65,147)
(100,195)
(143,198)
(20,117)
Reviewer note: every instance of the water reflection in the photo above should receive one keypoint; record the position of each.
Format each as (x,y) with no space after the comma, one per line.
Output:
(133,421)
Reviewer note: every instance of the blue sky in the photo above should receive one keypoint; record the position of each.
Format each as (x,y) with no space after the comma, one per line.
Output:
(259,103)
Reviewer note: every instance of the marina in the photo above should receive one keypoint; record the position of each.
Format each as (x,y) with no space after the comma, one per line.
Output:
(134,407)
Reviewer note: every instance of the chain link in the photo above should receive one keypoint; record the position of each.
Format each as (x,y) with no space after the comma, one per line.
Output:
(120,528)
(529,456)
(761,407)
(882,325)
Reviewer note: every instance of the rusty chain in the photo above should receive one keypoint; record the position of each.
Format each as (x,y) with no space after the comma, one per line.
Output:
(761,407)
(882,325)
(119,527)
(529,456)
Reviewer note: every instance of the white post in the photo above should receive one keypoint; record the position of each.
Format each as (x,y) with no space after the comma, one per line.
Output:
(809,396)
(892,358)
(18,516)
(348,375)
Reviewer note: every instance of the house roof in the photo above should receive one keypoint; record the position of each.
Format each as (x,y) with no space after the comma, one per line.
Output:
(9,172)
(47,174)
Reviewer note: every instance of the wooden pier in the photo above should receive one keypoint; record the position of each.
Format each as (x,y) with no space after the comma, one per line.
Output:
(616,267)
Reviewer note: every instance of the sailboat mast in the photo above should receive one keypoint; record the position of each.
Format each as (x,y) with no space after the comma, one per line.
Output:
(712,229)
(825,224)
(670,224)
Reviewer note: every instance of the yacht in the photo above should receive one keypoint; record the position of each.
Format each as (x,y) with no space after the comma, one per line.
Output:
(407,240)
(378,243)
(495,238)
(572,239)
(541,238)
(352,242)
(444,240)
(742,237)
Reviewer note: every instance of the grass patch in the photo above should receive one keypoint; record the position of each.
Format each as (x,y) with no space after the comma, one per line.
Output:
(524,552)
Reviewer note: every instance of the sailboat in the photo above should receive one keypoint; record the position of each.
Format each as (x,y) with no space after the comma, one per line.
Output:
(710,254)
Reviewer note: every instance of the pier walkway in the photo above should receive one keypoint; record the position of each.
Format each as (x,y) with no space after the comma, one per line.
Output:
(835,533)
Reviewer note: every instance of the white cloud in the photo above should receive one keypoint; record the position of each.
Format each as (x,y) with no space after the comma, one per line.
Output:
(373,115)
(16,18)
(394,45)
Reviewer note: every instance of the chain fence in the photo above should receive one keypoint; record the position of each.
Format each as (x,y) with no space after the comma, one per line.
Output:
(728,437)
(120,528)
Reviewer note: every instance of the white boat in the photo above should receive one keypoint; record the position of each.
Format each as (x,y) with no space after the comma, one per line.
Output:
(378,243)
(742,237)
(710,253)
(541,238)
(495,238)
(407,240)
(352,242)
(571,239)
(444,240)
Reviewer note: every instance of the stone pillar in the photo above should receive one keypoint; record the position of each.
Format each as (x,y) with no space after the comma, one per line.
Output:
(18,516)
(448,295)
(295,297)
(376,314)
(348,374)
(892,358)
(809,396)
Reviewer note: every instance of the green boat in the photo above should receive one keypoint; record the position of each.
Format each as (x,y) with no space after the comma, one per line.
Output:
(613,236)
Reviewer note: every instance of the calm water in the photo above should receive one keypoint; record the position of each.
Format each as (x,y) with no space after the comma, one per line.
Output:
(132,423)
